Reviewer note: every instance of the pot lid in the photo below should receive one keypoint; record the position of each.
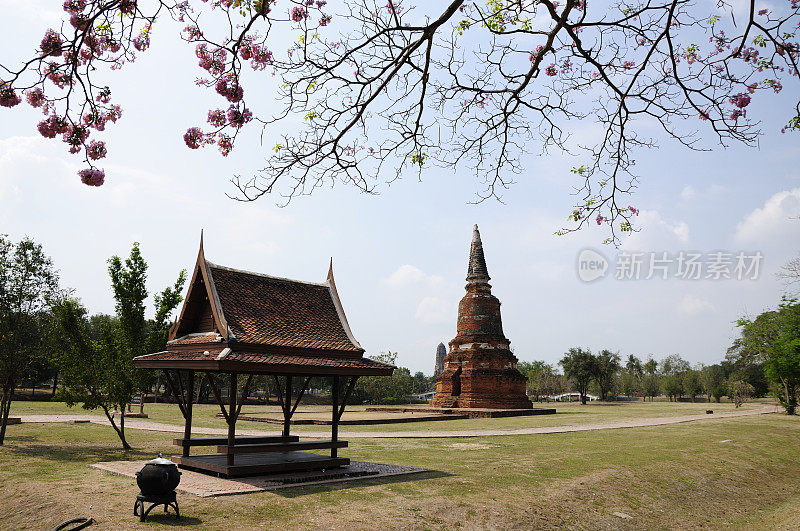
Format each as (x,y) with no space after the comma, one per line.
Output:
(160,460)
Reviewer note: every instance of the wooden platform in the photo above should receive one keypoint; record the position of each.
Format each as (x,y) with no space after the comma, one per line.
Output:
(421,417)
(473,413)
(257,464)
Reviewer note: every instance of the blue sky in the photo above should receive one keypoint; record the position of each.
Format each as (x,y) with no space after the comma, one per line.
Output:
(400,257)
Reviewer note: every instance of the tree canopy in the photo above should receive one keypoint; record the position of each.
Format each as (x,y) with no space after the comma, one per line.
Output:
(367,88)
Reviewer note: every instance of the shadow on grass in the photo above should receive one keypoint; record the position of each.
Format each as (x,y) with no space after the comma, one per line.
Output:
(77,452)
(295,492)
(170,520)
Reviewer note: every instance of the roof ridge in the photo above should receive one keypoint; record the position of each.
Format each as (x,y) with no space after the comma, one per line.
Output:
(273,277)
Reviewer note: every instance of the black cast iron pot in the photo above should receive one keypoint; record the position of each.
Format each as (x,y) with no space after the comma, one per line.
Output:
(158,477)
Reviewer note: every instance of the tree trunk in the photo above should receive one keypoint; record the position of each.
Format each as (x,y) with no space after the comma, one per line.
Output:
(55,385)
(5,409)
(121,429)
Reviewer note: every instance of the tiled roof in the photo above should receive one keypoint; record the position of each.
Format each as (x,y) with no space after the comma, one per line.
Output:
(193,339)
(260,361)
(280,312)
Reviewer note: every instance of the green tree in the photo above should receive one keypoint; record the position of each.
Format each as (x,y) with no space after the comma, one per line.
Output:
(651,367)
(774,338)
(394,389)
(541,378)
(651,386)
(97,361)
(606,367)
(713,381)
(580,366)
(739,391)
(691,383)
(28,286)
(673,367)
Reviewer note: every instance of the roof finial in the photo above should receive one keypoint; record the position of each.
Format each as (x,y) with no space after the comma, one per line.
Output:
(330,270)
(477,272)
(201,238)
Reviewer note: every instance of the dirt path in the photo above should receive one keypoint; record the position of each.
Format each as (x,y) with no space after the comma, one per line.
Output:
(138,424)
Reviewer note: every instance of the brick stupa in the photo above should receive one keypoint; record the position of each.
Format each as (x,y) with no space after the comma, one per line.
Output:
(480,370)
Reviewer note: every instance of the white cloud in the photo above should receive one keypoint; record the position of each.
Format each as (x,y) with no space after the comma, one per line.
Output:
(688,193)
(408,275)
(776,221)
(433,310)
(656,233)
(692,305)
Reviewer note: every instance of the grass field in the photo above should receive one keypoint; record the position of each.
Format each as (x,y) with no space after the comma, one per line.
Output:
(567,414)
(738,472)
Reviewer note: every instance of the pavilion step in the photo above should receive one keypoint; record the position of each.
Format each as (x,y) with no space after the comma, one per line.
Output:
(245,439)
(281,447)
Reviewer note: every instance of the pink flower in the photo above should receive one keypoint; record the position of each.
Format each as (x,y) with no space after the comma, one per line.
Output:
(704,115)
(193,137)
(229,87)
(217,118)
(127,6)
(740,100)
(298,14)
(225,145)
(8,97)
(52,126)
(238,118)
(142,42)
(51,43)
(35,97)
(96,150)
(536,53)
(600,219)
(92,176)
(74,6)
(634,211)
(551,70)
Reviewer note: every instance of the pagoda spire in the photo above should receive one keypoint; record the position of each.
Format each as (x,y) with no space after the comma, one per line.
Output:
(477,272)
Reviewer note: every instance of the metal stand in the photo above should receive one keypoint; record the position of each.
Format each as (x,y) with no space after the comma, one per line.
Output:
(167,500)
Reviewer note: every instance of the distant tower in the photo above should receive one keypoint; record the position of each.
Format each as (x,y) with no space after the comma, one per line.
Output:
(441,352)
(480,370)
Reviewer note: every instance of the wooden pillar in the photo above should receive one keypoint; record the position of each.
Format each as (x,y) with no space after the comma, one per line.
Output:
(233,391)
(335,415)
(187,430)
(287,404)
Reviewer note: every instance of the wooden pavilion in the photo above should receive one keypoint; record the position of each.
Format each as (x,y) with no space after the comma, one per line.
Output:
(245,324)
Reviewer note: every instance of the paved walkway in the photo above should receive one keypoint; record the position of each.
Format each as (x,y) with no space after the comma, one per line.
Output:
(139,424)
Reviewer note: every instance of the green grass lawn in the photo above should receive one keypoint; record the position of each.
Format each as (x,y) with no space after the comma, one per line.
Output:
(740,472)
(567,414)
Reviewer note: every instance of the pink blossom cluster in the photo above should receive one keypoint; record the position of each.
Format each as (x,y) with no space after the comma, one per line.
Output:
(740,100)
(194,137)
(705,115)
(217,118)
(298,14)
(127,6)
(96,150)
(75,136)
(35,97)
(92,176)
(193,33)
(600,219)
(551,70)
(51,43)
(536,53)
(52,126)
(142,41)
(627,65)
(98,120)
(634,211)
(225,144)
(228,87)
(213,62)
(8,97)
(259,56)
(237,118)
(74,6)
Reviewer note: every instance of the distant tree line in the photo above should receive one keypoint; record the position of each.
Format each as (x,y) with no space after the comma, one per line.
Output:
(606,375)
